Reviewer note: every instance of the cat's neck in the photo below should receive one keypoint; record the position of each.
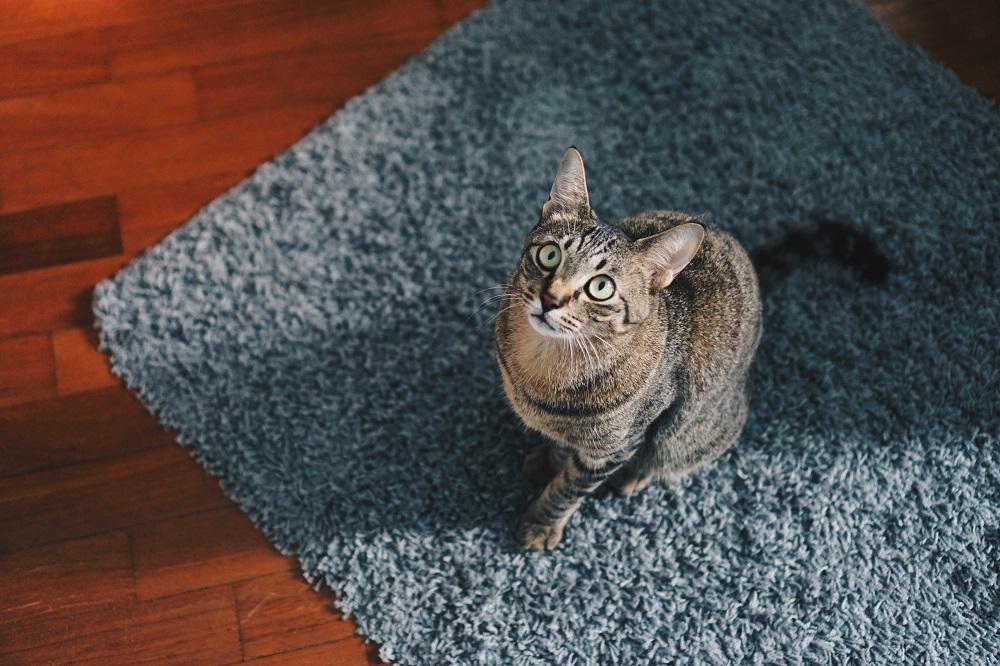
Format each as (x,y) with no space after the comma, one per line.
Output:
(547,366)
(562,361)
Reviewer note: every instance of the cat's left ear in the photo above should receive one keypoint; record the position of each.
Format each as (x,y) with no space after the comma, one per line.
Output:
(569,188)
(667,253)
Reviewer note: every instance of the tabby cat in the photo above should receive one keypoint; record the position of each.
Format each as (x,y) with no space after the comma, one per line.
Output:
(628,345)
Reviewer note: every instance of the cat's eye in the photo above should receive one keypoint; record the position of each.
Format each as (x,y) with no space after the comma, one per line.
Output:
(549,256)
(601,288)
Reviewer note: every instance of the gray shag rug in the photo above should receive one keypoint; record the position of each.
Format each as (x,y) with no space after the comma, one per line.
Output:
(313,337)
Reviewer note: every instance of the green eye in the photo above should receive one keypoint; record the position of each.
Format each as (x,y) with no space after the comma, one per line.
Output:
(549,256)
(601,288)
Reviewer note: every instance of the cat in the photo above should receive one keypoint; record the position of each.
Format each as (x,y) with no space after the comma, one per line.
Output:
(628,345)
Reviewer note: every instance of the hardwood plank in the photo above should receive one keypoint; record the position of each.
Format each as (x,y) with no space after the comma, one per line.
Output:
(347,652)
(166,155)
(80,366)
(63,578)
(69,502)
(963,36)
(97,112)
(76,429)
(194,628)
(51,298)
(27,369)
(933,25)
(53,63)
(32,19)
(455,10)
(981,73)
(264,27)
(150,213)
(202,550)
(59,234)
(281,612)
(332,73)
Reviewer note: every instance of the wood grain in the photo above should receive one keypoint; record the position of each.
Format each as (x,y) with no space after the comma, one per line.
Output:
(965,36)
(58,432)
(80,367)
(281,612)
(52,63)
(63,579)
(151,212)
(332,73)
(254,29)
(33,19)
(194,628)
(98,112)
(40,301)
(27,369)
(169,155)
(59,234)
(201,550)
(455,10)
(69,502)
(341,653)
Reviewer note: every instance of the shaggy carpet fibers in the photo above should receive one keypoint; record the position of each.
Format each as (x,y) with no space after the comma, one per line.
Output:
(313,337)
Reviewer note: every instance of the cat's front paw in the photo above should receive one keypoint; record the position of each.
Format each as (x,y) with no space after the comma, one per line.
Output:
(536,536)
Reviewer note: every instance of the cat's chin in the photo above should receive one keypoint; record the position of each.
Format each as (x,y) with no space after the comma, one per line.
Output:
(546,330)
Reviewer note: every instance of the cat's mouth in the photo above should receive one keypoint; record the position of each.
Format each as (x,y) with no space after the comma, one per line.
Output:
(545,321)
(544,326)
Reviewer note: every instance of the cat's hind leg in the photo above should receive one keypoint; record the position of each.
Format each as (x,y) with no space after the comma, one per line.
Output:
(628,481)
(636,474)
(702,435)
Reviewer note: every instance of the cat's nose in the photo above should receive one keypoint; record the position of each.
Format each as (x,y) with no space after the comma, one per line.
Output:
(550,301)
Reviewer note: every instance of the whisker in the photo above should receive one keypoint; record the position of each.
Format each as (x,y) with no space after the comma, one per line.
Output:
(593,350)
(591,355)
(584,354)
(499,286)
(591,343)
(476,310)
(492,318)
(608,345)
(502,310)
(491,300)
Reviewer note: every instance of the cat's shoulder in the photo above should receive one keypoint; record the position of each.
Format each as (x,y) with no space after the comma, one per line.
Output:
(652,222)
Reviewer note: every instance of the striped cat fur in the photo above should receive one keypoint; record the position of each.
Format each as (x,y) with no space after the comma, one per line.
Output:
(627,345)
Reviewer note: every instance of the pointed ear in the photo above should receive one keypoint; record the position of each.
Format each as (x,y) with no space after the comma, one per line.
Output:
(569,189)
(667,253)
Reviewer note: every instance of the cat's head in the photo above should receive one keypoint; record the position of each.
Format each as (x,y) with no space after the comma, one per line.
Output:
(579,277)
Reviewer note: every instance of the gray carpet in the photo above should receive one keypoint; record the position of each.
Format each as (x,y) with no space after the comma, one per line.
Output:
(313,337)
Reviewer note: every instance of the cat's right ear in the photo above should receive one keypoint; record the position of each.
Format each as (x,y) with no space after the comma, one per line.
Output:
(569,188)
(667,253)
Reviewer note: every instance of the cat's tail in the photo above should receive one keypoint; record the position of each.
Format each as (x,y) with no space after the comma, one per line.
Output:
(821,240)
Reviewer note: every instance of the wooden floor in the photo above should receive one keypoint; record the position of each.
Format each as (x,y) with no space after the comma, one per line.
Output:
(118,120)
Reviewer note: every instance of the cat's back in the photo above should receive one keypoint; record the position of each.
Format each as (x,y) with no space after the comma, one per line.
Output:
(715,299)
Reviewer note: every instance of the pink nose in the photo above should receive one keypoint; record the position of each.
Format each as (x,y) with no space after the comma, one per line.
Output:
(550,301)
